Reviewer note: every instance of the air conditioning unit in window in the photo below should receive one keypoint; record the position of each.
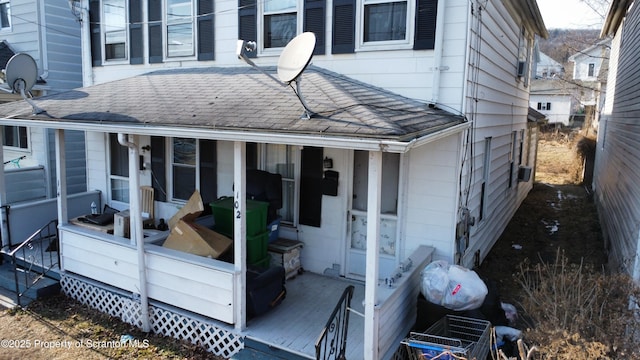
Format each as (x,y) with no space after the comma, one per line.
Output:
(524,173)
(522,68)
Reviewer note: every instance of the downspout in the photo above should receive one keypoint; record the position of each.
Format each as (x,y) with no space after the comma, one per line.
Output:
(4,207)
(85,45)
(136,225)
(437,54)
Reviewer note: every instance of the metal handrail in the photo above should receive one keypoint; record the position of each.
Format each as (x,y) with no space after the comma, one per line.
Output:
(48,235)
(337,326)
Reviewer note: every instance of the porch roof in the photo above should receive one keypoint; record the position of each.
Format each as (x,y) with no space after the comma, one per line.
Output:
(240,100)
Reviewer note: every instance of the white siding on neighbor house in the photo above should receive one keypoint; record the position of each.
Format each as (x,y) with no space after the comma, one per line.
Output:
(501,108)
(23,34)
(617,172)
(560,107)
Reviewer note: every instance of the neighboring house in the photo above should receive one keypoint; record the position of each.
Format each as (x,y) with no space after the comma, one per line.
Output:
(554,98)
(50,34)
(590,74)
(421,111)
(618,146)
(547,68)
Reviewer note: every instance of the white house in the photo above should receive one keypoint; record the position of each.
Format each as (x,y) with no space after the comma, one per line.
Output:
(421,108)
(615,177)
(547,68)
(554,98)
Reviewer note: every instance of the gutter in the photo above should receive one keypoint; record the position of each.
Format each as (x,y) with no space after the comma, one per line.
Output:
(338,142)
(136,224)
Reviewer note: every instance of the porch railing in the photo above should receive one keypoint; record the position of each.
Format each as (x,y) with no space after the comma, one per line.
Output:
(30,260)
(332,343)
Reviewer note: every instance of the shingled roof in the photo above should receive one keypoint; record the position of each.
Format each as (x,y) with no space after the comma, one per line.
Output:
(241,98)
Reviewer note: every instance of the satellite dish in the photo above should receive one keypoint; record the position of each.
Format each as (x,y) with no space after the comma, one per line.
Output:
(22,72)
(294,59)
(296,56)
(21,68)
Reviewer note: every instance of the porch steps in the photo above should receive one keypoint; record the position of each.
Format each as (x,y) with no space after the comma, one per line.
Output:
(254,350)
(8,298)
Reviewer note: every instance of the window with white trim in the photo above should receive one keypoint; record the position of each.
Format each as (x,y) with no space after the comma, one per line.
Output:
(180,28)
(15,136)
(118,170)
(5,14)
(384,21)
(184,155)
(279,22)
(281,159)
(114,17)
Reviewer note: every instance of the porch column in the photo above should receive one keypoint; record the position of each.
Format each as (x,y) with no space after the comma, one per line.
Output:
(240,233)
(372,257)
(4,229)
(135,223)
(61,178)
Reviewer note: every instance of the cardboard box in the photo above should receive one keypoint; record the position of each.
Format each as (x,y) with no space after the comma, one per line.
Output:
(121,224)
(197,239)
(190,211)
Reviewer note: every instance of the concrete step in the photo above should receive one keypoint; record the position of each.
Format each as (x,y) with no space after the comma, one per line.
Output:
(254,350)
(43,287)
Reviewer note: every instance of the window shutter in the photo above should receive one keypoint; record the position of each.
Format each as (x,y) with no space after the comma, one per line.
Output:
(311,187)
(247,20)
(425,34)
(314,21)
(208,171)
(96,37)
(158,168)
(344,27)
(136,42)
(206,30)
(155,31)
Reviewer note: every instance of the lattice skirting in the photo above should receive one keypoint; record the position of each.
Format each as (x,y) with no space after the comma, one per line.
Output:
(164,321)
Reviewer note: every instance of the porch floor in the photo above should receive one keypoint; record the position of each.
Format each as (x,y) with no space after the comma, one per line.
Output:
(296,323)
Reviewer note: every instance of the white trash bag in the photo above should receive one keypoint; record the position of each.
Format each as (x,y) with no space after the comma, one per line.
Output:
(452,286)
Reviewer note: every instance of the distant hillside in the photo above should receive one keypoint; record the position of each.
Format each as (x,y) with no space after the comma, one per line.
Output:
(563,43)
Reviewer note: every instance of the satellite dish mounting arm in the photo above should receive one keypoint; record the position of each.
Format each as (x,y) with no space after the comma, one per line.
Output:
(242,48)
(19,87)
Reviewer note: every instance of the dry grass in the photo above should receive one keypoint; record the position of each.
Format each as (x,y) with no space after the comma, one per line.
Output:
(577,312)
(62,328)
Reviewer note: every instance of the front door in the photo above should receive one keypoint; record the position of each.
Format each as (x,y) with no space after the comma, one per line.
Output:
(357,244)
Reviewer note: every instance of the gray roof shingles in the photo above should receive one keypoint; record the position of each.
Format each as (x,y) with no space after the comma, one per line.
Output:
(241,98)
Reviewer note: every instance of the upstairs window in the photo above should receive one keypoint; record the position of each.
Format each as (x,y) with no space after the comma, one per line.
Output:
(115,29)
(384,21)
(280,22)
(5,14)
(180,28)
(544,106)
(592,70)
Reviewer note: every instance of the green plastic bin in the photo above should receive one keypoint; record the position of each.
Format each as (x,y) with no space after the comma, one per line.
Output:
(223,211)
(257,247)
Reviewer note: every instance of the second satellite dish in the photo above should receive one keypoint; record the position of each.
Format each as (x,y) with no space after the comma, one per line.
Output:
(296,56)
(21,73)
(21,68)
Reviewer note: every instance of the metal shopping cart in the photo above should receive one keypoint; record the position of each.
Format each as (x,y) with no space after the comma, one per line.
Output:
(452,337)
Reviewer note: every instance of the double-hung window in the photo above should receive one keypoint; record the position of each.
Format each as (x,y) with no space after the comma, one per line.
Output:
(115,29)
(180,28)
(385,23)
(384,20)
(118,170)
(279,22)
(15,136)
(5,14)
(280,159)
(183,165)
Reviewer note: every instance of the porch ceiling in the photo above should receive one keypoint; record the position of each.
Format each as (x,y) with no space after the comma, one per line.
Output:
(237,99)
